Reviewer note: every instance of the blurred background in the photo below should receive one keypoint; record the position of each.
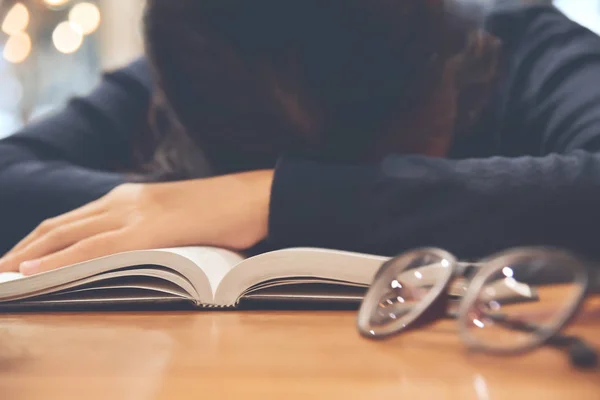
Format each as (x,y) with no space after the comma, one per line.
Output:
(51,50)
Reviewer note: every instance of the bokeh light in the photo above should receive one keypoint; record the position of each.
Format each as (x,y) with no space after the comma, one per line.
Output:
(16,19)
(86,16)
(55,3)
(17,48)
(67,37)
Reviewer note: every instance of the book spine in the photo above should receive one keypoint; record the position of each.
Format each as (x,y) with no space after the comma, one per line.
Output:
(217,306)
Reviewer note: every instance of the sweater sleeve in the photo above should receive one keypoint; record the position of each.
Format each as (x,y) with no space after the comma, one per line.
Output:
(471,206)
(64,161)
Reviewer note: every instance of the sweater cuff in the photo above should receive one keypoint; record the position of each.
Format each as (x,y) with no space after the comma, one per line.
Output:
(316,204)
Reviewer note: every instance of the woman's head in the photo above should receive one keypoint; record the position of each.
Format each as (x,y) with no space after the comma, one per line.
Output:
(348,80)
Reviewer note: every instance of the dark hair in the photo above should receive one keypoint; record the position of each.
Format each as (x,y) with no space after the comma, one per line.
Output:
(241,81)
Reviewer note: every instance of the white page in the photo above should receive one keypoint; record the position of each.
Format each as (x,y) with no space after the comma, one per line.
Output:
(9,276)
(214,262)
(204,267)
(296,263)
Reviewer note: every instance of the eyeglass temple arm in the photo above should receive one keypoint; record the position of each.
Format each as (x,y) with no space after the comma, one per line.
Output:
(580,352)
(464,268)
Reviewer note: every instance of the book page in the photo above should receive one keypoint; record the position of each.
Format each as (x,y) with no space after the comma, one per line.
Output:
(299,263)
(203,267)
(214,262)
(10,276)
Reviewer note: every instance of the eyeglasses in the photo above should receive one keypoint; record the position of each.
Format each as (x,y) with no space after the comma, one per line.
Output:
(507,304)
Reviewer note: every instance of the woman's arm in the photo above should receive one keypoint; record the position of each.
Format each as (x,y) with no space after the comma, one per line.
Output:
(474,206)
(470,207)
(61,162)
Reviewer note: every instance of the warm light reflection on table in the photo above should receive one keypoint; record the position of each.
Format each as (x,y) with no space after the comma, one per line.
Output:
(274,355)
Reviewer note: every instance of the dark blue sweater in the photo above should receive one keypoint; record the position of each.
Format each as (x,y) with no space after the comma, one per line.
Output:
(530,175)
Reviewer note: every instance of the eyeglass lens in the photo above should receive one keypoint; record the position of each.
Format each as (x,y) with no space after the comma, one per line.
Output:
(406,286)
(546,290)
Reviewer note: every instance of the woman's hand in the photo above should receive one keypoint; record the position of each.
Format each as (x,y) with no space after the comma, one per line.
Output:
(229,211)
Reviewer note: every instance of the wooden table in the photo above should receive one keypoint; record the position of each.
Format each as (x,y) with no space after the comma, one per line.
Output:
(274,355)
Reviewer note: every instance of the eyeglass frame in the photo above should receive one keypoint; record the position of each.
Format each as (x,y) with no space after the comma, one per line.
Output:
(426,311)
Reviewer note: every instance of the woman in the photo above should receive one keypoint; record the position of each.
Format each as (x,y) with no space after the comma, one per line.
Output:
(365,126)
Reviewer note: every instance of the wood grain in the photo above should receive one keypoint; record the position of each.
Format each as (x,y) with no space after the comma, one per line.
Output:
(275,355)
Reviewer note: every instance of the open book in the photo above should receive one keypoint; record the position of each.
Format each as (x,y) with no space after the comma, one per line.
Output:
(206,277)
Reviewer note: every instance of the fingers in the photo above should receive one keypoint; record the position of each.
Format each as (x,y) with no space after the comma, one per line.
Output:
(88,249)
(90,209)
(58,239)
